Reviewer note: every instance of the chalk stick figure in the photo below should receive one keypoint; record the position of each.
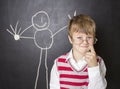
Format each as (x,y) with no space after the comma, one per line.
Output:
(43,36)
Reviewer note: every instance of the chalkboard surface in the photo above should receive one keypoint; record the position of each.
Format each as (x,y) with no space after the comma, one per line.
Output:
(34,32)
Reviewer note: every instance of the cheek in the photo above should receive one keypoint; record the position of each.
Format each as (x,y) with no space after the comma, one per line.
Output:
(91,44)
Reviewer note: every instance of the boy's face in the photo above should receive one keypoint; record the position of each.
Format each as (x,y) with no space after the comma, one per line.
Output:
(81,42)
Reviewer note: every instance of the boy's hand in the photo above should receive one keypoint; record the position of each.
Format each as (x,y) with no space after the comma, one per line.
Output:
(91,58)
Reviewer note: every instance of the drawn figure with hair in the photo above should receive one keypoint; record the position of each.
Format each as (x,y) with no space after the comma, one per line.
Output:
(43,37)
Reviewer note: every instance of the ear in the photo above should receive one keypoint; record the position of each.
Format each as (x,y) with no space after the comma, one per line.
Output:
(70,39)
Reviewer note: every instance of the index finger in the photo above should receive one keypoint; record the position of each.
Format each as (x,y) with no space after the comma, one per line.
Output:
(92,49)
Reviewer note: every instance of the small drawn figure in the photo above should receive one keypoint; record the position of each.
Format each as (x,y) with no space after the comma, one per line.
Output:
(43,37)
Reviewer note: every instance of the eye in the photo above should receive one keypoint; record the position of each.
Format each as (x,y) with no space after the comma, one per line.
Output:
(80,38)
(89,38)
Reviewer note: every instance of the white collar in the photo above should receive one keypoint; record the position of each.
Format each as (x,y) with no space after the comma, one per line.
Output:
(79,65)
(69,55)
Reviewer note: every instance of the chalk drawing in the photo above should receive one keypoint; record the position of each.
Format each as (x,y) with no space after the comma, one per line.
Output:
(43,37)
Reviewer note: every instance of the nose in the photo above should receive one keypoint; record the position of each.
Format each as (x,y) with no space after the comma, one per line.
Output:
(85,41)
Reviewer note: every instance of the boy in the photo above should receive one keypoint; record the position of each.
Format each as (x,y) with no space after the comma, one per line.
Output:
(80,68)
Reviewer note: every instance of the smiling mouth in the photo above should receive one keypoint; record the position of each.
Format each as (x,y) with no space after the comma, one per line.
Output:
(84,46)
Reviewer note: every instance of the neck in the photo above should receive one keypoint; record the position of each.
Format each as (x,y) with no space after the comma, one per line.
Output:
(77,56)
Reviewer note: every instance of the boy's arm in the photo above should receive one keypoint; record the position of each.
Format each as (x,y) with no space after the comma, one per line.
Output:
(97,76)
(54,78)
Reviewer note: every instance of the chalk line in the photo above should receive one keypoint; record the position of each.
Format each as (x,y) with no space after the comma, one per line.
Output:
(38,70)
(46,68)
(25,30)
(59,31)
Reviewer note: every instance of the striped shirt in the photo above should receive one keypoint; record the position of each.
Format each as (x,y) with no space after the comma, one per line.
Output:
(66,74)
(69,77)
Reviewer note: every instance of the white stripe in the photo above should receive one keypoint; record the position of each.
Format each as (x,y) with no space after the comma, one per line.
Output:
(74,87)
(62,63)
(73,73)
(74,80)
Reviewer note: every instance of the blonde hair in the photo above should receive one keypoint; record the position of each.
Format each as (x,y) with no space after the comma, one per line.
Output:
(82,23)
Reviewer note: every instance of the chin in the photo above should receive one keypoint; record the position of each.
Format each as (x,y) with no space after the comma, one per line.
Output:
(84,50)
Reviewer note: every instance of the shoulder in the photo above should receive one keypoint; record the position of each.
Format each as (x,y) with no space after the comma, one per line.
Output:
(61,58)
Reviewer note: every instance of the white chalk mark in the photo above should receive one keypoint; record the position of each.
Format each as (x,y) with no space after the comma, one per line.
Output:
(16,37)
(19,31)
(75,13)
(14,33)
(38,70)
(69,16)
(46,68)
(12,28)
(27,37)
(43,26)
(16,27)
(38,45)
(10,32)
(25,30)
(59,31)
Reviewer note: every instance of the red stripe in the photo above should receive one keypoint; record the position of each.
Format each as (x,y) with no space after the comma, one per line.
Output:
(63,88)
(64,68)
(86,70)
(61,60)
(73,76)
(74,83)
